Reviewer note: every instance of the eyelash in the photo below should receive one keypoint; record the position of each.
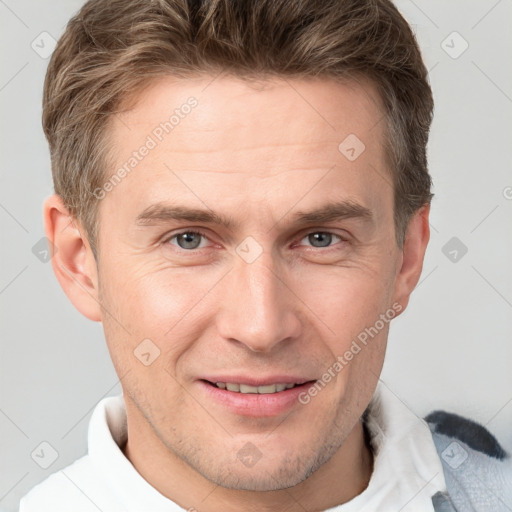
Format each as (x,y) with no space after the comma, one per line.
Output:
(203,234)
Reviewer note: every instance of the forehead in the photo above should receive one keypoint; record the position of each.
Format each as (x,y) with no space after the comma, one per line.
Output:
(312,110)
(250,142)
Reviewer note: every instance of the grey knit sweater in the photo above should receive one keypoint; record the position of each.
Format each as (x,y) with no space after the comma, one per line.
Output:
(477,470)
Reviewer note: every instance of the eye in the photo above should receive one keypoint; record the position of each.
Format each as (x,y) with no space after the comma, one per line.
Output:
(321,238)
(191,240)
(187,240)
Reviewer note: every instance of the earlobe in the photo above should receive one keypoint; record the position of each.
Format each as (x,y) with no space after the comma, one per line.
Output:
(411,262)
(72,259)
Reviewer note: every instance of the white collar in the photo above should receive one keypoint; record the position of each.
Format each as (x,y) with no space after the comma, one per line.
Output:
(407,469)
(107,433)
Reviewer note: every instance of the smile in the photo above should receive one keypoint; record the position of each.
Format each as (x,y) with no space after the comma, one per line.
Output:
(245,388)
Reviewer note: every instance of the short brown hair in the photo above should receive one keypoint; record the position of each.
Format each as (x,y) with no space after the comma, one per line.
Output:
(112,48)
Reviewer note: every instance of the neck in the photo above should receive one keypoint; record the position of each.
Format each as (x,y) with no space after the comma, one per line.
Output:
(345,475)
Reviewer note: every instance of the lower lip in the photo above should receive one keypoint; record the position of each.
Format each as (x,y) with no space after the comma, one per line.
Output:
(255,404)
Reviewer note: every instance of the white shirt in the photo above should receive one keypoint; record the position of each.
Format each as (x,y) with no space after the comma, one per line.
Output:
(407,470)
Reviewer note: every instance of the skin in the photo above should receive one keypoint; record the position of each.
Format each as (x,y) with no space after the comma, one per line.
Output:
(258,153)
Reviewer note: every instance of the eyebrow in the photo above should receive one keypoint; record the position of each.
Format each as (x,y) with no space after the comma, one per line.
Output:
(164,212)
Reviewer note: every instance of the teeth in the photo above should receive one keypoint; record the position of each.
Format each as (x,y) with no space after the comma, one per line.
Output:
(245,388)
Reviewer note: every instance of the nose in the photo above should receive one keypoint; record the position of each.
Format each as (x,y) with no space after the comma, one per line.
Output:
(258,308)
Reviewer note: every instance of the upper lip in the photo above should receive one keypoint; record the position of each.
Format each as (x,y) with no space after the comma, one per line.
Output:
(258,381)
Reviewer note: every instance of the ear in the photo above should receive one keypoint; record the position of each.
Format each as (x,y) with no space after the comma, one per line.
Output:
(411,258)
(72,258)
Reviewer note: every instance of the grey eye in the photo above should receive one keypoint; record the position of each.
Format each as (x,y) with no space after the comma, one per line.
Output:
(320,239)
(189,239)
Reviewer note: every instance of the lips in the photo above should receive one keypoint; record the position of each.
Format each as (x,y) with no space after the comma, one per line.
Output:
(252,404)
(247,389)
(257,381)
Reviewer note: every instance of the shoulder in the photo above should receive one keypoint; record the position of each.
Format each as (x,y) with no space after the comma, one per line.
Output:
(56,490)
(75,487)
(467,431)
(477,469)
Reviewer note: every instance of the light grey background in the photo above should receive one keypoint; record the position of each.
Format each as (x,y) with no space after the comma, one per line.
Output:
(452,349)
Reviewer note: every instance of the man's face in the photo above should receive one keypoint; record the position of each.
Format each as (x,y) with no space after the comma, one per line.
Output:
(272,296)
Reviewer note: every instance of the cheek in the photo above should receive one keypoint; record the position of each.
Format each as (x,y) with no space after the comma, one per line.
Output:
(147,298)
(160,304)
(347,299)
